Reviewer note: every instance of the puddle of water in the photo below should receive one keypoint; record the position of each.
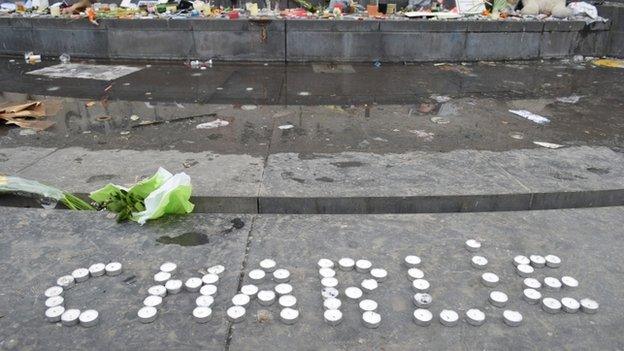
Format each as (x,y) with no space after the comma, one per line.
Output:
(186,239)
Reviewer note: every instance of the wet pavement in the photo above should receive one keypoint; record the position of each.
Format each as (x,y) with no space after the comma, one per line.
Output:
(324,108)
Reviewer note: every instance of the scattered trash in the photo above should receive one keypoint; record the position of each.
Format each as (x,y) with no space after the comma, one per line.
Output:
(31,58)
(249,89)
(64,58)
(440,98)
(124,132)
(214,124)
(134,118)
(426,136)
(248,107)
(201,65)
(376,63)
(572,99)
(440,120)
(303,93)
(89,103)
(547,145)
(380,139)
(47,195)
(516,135)
(531,116)
(578,58)
(286,126)
(611,63)
(163,193)
(426,108)
(103,118)
(53,88)
(30,114)
(457,69)
(582,8)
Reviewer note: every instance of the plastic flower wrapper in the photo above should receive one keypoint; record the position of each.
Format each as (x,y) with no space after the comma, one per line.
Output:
(21,186)
(161,194)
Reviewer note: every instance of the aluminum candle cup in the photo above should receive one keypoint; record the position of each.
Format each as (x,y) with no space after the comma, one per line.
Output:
(512,318)
(520,259)
(97,269)
(208,289)
(379,274)
(489,279)
(369,285)
(53,291)
(236,314)
(213,279)
(353,293)
(532,283)
(266,297)
(169,267)
(367,305)
(89,318)
(327,273)
(569,282)
(420,285)
(268,265)
(53,314)
(329,282)
(551,305)
(256,276)
(249,290)
(479,262)
(449,318)
(589,306)
(422,317)
(193,284)
(422,300)
(54,301)
(570,305)
(498,298)
(80,275)
(326,293)
(415,273)
(113,269)
(346,263)
(153,301)
(281,276)
(552,284)
(70,317)
(371,319)
(287,301)
(552,261)
(411,261)
(204,301)
(173,286)
(332,317)
(475,317)
(325,263)
(162,277)
(524,270)
(283,289)
(240,300)
(202,314)
(537,261)
(66,282)
(363,266)
(531,296)
(217,269)
(332,303)
(289,315)
(472,245)
(147,314)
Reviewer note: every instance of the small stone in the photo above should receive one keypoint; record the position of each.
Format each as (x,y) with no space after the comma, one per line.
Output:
(589,306)
(551,305)
(147,314)
(353,293)
(412,261)
(70,317)
(332,316)
(570,305)
(363,266)
(66,282)
(213,279)
(532,283)
(422,300)
(332,303)
(193,284)
(287,301)
(236,314)
(498,298)
(113,269)
(367,305)
(422,317)
(512,318)
(80,275)
(552,284)
(240,300)
(524,270)
(569,282)
(415,273)
(531,296)
(173,286)
(169,267)
(208,290)
(475,317)
(53,291)
(371,319)
(520,259)
(346,263)
(537,261)
(202,314)
(216,269)
(162,277)
(329,282)
(420,285)
(327,273)
(153,301)
(249,290)
(204,301)
(326,293)
(283,289)
(256,276)
(266,297)
(552,261)
(289,315)
(281,276)
(97,269)
(479,262)
(369,285)
(325,263)
(54,301)
(53,314)
(379,274)
(268,265)
(472,245)
(88,318)
(489,279)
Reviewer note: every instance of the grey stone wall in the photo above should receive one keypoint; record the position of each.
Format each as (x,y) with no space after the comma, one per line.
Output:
(308,40)
(615,12)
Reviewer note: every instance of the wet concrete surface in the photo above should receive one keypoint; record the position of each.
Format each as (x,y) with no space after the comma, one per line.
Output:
(325,110)
(38,246)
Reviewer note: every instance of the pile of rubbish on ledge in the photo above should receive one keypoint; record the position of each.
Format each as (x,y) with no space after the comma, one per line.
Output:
(332,9)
